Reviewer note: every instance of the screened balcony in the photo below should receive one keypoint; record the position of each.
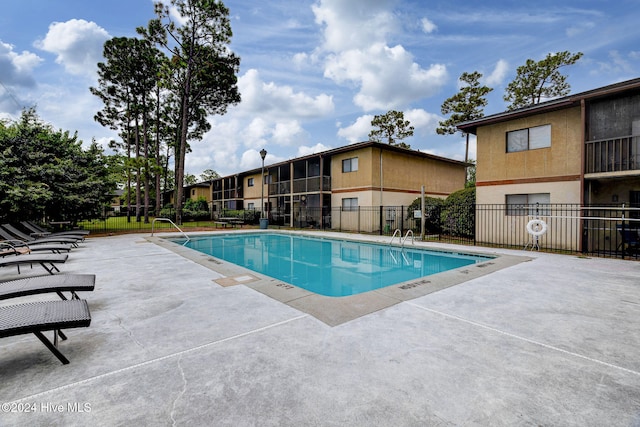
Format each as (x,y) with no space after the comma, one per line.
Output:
(613,155)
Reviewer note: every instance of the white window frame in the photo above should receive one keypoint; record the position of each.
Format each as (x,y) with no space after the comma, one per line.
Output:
(526,204)
(350,204)
(350,165)
(531,138)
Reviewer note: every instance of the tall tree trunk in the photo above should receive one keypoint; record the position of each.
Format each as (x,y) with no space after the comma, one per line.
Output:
(157,162)
(147,177)
(183,138)
(128,164)
(138,171)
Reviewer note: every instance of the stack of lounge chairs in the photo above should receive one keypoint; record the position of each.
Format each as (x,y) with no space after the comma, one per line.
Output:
(28,244)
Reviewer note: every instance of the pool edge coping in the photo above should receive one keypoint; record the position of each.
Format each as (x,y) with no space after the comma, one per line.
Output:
(335,311)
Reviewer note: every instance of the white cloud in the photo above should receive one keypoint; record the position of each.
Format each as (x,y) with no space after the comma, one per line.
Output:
(357,54)
(354,24)
(387,76)
(358,131)
(423,121)
(616,64)
(498,74)
(300,60)
(424,124)
(279,101)
(251,160)
(16,75)
(288,133)
(428,26)
(305,150)
(256,132)
(77,43)
(268,115)
(16,68)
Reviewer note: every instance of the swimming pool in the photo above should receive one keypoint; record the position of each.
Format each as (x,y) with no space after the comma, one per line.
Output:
(329,267)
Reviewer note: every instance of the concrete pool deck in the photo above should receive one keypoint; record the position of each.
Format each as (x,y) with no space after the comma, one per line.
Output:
(551,341)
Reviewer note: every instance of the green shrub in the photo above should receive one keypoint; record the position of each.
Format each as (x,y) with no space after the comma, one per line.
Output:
(458,213)
(200,204)
(432,208)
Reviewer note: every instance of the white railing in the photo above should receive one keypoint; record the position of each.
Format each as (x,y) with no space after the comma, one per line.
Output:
(401,239)
(398,233)
(153,223)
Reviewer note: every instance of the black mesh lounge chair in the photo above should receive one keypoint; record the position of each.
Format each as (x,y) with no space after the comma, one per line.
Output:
(41,232)
(17,234)
(8,237)
(15,247)
(630,239)
(7,249)
(38,317)
(57,283)
(47,261)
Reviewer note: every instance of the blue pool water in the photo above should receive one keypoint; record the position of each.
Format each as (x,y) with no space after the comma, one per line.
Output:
(327,266)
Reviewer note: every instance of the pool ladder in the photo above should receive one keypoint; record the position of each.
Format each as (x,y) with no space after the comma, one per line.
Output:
(153,223)
(400,238)
(402,241)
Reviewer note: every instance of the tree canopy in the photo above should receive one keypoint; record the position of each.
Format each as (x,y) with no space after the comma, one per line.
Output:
(536,81)
(209,175)
(128,85)
(467,104)
(202,73)
(46,174)
(391,127)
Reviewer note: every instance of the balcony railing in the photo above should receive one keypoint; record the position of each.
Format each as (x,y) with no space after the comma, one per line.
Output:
(613,155)
(303,185)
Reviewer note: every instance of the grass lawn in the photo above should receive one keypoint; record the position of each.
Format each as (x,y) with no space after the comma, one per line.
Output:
(118,224)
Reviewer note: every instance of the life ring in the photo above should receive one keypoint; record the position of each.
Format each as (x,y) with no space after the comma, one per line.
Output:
(536,227)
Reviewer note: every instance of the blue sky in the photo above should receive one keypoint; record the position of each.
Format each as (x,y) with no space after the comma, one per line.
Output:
(314,72)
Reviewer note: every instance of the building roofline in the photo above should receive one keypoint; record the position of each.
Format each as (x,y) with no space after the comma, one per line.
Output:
(345,149)
(471,126)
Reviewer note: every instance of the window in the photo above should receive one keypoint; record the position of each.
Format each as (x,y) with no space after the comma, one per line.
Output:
(350,165)
(350,204)
(529,139)
(528,204)
(251,206)
(250,182)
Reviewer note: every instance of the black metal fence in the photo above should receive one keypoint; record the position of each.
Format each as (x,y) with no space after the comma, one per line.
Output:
(605,231)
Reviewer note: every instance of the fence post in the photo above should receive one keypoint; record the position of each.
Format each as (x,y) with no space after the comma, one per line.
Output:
(475,222)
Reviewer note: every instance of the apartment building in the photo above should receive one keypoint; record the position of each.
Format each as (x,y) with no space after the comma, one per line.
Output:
(582,149)
(304,191)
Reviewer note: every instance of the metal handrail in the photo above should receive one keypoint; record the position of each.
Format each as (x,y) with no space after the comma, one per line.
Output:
(405,238)
(153,223)
(399,233)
